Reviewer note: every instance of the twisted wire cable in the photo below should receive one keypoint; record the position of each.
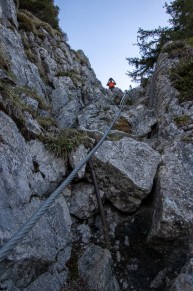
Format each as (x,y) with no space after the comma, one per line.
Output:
(23,231)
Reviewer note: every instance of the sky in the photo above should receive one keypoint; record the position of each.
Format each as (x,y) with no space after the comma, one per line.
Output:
(107,30)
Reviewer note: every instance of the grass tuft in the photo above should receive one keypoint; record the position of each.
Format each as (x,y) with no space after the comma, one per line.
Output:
(64,142)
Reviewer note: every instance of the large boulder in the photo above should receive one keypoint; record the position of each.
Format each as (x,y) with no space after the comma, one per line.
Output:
(126,170)
(174,197)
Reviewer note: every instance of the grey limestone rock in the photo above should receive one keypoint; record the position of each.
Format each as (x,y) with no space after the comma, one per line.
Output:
(76,156)
(31,124)
(141,119)
(8,12)
(96,117)
(83,203)
(95,268)
(51,168)
(19,201)
(174,197)
(126,170)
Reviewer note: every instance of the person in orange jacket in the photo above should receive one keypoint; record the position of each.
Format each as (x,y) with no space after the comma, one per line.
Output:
(111,83)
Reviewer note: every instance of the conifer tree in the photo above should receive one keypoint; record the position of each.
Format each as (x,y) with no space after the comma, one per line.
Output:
(181,12)
(150,42)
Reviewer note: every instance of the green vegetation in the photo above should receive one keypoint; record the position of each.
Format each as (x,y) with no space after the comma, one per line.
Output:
(182,79)
(176,49)
(12,104)
(43,9)
(65,141)
(32,93)
(46,122)
(150,42)
(182,120)
(29,22)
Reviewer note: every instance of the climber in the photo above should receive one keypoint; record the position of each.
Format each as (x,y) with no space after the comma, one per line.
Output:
(111,83)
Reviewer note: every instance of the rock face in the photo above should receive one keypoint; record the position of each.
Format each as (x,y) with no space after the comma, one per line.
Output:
(83,203)
(144,169)
(126,170)
(26,176)
(173,209)
(184,280)
(95,268)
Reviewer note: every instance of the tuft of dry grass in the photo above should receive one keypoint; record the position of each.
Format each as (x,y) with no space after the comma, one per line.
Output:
(123,125)
(65,141)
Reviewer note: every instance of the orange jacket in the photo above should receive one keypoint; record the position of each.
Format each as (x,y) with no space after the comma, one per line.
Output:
(111,84)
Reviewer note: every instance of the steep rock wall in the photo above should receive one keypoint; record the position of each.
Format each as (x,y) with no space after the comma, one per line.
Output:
(144,169)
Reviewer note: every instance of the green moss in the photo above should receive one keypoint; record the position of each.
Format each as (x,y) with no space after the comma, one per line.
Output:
(182,79)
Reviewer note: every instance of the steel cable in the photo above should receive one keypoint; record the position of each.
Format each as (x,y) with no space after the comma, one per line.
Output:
(23,231)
